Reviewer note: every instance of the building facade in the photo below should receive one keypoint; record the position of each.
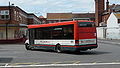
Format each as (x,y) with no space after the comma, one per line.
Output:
(102,13)
(13,22)
(60,17)
(99,9)
(43,20)
(84,16)
(113,26)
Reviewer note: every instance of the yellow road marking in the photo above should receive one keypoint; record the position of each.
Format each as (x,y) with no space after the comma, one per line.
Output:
(94,63)
(69,61)
(36,63)
(57,62)
(23,63)
(76,62)
(15,64)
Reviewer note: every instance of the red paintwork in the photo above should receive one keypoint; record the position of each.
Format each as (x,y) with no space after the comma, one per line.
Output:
(86,29)
(76,28)
(56,24)
(51,24)
(87,32)
(45,45)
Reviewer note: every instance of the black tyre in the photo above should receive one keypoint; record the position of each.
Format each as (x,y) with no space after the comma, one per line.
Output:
(58,48)
(27,46)
(77,51)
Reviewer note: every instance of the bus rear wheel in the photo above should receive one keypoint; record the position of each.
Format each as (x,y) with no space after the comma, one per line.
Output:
(58,48)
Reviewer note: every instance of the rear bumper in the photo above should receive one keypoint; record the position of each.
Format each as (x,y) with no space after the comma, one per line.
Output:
(79,47)
(86,47)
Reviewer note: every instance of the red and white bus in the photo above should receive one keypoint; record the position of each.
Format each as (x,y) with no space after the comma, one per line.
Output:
(70,35)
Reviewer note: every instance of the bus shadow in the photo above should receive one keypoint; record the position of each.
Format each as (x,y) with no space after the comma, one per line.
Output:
(77,53)
(5,60)
(87,53)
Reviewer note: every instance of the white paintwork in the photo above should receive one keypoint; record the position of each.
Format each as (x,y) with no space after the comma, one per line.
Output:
(27,41)
(112,21)
(87,41)
(113,33)
(113,28)
(54,42)
(108,33)
(100,32)
(65,42)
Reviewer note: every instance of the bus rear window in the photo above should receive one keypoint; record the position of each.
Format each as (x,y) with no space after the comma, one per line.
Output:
(86,24)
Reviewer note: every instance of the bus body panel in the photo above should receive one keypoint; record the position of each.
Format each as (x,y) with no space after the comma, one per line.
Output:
(51,44)
(52,47)
(87,38)
(54,42)
(84,38)
(87,33)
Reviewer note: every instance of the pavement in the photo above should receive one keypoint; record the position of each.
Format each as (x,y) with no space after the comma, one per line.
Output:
(110,41)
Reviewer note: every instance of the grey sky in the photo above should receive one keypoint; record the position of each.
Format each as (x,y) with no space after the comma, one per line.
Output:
(41,7)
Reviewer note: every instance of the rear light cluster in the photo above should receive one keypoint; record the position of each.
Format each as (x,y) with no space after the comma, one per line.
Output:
(95,34)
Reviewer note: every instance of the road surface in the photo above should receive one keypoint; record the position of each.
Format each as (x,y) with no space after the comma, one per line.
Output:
(107,55)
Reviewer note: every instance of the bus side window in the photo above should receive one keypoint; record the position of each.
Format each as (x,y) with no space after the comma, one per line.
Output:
(57,34)
(68,33)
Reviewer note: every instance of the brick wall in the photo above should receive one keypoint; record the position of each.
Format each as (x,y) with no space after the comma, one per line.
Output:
(59,15)
(15,17)
(99,9)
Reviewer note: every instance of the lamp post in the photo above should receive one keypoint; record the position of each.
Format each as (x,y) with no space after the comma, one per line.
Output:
(8,21)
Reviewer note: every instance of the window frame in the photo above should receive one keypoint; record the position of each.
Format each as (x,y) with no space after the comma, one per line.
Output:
(50,30)
(5,17)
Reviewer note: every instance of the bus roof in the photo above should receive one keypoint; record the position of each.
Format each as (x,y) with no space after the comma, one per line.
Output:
(56,24)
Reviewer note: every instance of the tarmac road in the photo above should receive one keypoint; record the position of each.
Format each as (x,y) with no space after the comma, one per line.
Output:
(107,55)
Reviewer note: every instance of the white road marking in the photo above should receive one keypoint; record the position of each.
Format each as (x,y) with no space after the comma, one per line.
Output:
(53,65)
(6,65)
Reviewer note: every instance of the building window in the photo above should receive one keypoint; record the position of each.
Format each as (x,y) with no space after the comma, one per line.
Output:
(4,14)
(49,21)
(118,20)
(1,35)
(4,17)
(54,22)
(17,18)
